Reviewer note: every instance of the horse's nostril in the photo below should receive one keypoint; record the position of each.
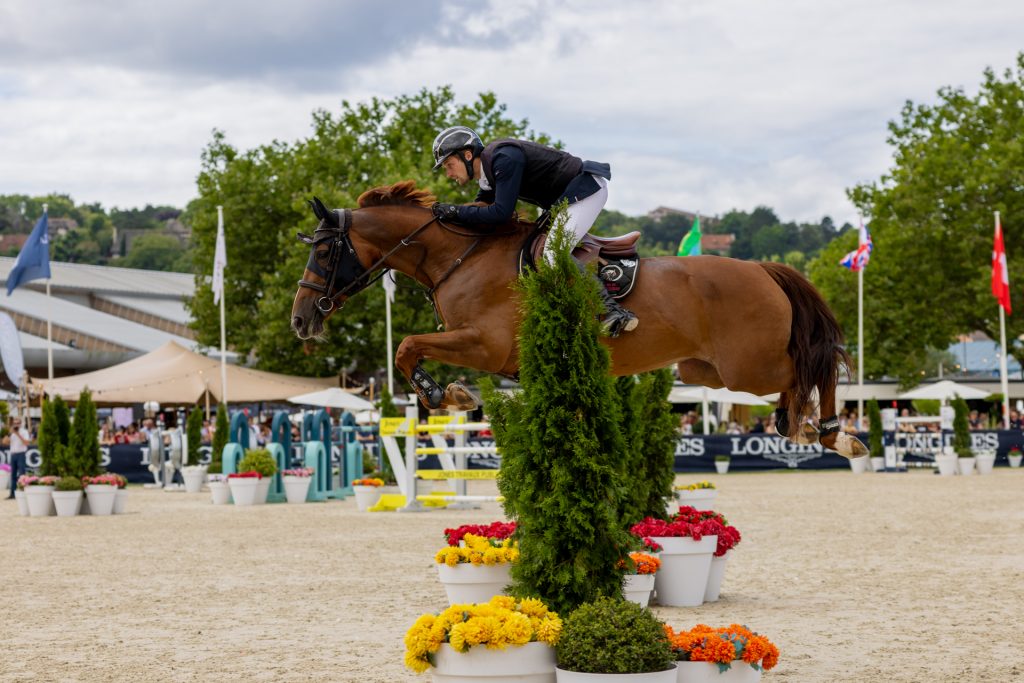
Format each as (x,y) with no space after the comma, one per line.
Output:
(297,322)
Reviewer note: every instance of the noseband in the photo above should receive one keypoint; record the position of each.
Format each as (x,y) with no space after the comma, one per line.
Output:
(342,261)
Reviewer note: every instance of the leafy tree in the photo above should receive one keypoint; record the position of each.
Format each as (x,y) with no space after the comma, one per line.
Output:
(220,440)
(657,465)
(155,252)
(562,448)
(264,193)
(194,432)
(931,218)
(84,441)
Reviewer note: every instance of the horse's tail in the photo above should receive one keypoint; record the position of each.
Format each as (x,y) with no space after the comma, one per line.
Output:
(815,341)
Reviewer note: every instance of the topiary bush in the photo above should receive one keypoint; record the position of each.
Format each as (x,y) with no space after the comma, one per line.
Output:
(258,460)
(875,445)
(68,483)
(194,434)
(220,440)
(658,466)
(84,441)
(63,417)
(613,636)
(961,430)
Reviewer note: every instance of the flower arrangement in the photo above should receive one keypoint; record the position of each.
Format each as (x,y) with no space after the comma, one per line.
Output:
(1014,451)
(497,624)
(695,487)
(27,480)
(122,481)
(723,646)
(258,460)
(4,467)
(728,536)
(368,481)
(650,545)
(217,478)
(304,472)
(69,484)
(722,458)
(101,480)
(644,564)
(678,528)
(498,530)
(479,551)
(252,474)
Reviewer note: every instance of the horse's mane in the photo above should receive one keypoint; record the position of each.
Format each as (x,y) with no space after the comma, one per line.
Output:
(404,193)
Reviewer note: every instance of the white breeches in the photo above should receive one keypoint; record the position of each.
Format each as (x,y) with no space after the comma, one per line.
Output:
(580,216)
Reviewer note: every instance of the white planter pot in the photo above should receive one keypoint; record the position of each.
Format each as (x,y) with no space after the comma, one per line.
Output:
(946,464)
(637,588)
(297,488)
(40,501)
(722,466)
(1015,460)
(877,463)
(706,672)
(715,575)
(859,465)
(984,462)
(472,583)
(685,564)
(67,503)
(702,499)
(965,465)
(530,663)
(101,498)
(244,491)
(220,492)
(263,492)
(22,500)
(367,496)
(667,676)
(194,476)
(120,501)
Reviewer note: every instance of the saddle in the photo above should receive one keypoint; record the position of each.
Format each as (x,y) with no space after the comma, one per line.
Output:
(618,261)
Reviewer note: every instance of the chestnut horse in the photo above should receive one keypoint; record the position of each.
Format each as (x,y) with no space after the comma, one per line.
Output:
(749,326)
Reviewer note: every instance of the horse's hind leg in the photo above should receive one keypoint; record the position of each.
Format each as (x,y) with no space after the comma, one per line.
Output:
(842,443)
(803,434)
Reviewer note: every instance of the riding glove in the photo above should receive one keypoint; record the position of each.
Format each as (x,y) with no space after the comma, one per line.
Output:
(449,211)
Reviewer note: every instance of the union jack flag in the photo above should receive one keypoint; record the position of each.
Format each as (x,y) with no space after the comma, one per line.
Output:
(858,259)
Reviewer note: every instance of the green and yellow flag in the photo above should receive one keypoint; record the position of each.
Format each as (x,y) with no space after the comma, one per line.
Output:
(690,245)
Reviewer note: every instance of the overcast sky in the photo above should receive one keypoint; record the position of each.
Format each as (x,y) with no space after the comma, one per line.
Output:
(698,104)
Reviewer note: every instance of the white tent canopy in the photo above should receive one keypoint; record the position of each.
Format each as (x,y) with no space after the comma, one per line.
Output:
(700,394)
(332,398)
(944,390)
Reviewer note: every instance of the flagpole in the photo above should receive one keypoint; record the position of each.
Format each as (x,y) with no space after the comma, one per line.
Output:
(391,363)
(860,349)
(49,315)
(1004,382)
(223,334)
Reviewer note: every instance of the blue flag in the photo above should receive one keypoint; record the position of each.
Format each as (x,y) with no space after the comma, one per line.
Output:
(34,260)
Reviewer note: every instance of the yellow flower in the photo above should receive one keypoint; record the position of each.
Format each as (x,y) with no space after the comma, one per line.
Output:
(503,602)
(549,631)
(457,637)
(418,663)
(532,607)
(517,629)
(491,556)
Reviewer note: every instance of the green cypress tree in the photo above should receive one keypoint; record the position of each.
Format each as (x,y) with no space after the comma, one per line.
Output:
(48,440)
(961,430)
(657,466)
(629,395)
(194,432)
(562,447)
(84,441)
(387,404)
(220,440)
(63,417)
(875,445)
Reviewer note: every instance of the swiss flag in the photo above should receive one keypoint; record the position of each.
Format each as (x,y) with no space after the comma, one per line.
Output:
(1000,275)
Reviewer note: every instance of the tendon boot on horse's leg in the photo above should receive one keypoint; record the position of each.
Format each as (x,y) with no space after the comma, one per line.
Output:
(429,391)
(458,397)
(842,443)
(616,318)
(805,434)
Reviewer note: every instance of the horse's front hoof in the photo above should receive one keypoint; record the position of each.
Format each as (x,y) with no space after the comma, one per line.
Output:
(458,397)
(847,446)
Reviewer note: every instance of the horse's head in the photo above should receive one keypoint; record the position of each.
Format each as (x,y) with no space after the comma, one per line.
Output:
(333,272)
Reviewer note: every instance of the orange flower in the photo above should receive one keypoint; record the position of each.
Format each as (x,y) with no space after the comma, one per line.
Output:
(645,564)
(719,645)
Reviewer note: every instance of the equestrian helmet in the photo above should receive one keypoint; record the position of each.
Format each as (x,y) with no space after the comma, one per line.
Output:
(452,141)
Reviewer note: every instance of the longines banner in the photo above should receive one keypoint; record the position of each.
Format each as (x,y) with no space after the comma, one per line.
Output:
(693,453)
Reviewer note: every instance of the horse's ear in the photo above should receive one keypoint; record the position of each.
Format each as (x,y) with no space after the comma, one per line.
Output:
(319,210)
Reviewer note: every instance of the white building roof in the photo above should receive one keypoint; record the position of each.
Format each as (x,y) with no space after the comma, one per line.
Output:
(30,341)
(168,309)
(109,280)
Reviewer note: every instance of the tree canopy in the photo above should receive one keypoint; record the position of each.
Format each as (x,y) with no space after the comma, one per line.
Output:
(931,219)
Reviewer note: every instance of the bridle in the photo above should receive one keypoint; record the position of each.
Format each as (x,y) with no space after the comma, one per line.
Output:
(342,262)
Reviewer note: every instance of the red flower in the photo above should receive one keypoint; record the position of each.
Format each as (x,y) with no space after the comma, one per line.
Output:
(244,475)
(497,530)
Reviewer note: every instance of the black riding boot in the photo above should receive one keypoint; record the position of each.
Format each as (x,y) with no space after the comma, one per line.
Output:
(616,318)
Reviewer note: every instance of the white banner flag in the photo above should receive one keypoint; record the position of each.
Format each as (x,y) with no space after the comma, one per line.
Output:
(389,285)
(220,259)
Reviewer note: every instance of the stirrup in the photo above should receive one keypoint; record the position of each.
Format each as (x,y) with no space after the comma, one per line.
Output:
(618,321)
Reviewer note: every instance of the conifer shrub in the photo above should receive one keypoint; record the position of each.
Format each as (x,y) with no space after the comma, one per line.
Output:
(63,417)
(630,397)
(48,441)
(613,636)
(194,433)
(84,441)
(68,483)
(961,430)
(561,443)
(220,440)
(658,464)
(875,446)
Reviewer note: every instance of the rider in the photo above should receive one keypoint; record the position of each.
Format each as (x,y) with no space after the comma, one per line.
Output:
(508,170)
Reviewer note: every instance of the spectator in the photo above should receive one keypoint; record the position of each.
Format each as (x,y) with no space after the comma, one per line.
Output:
(758,426)
(20,439)
(206,433)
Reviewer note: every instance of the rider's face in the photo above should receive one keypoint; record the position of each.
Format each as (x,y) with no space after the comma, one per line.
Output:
(455,169)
